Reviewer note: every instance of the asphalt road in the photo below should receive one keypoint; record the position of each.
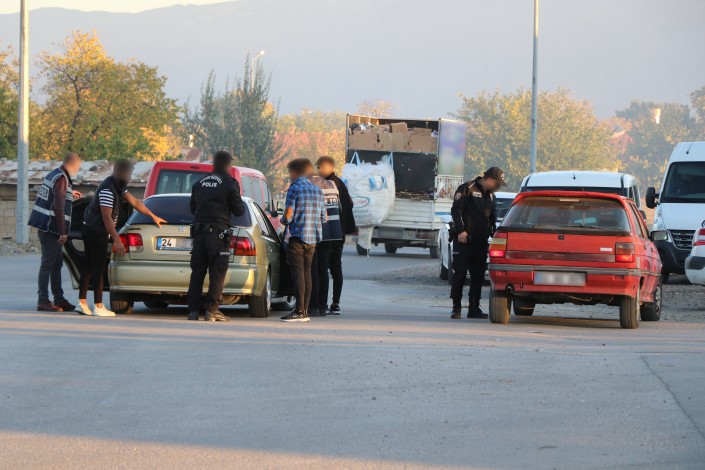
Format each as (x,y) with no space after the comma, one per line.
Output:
(392,383)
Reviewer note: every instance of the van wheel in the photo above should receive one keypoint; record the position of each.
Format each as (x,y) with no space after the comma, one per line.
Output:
(362,251)
(156,304)
(523,308)
(651,311)
(121,303)
(434,251)
(499,307)
(629,312)
(261,305)
(390,248)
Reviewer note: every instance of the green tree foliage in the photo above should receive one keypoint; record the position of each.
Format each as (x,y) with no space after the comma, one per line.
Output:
(569,135)
(8,104)
(99,107)
(697,99)
(653,130)
(240,119)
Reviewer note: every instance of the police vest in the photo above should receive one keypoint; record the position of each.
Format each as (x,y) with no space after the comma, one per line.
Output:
(332,229)
(42,216)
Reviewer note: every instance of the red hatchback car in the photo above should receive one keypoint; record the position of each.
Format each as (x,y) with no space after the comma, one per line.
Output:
(575,247)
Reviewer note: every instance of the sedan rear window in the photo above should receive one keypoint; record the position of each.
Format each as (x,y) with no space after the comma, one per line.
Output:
(567,214)
(176,210)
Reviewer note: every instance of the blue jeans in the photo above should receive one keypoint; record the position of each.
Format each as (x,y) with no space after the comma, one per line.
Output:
(50,268)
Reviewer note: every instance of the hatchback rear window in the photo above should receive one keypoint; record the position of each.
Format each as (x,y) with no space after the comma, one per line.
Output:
(567,214)
(176,210)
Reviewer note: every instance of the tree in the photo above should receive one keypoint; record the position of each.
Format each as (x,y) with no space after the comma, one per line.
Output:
(569,135)
(8,104)
(697,100)
(240,120)
(653,130)
(377,108)
(99,107)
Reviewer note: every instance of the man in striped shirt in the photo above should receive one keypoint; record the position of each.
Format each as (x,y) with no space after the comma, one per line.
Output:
(100,227)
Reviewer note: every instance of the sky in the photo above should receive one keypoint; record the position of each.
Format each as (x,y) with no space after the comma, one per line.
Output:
(132,6)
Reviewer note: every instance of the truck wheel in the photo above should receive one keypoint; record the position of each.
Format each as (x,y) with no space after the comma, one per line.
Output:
(156,304)
(434,251)
(651,311)
(629,312)
(523,308)
(261,305)
(362,251)
(390,248)
(499,307)
(664,277)
(121,303)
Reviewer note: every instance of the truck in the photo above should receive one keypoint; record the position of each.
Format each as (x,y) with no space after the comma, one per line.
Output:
(429,164)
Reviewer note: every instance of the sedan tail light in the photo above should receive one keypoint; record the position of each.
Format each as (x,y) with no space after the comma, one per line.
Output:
(498,246)
(243,246)
(132,241)
(624,252)
(699,238)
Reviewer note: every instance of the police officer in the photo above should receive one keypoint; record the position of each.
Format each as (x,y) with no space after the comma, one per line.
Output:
(474,220)
(213,199)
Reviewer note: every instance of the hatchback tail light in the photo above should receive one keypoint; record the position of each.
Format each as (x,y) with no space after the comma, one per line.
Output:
(498,246)
(132,241)
(243,246)
(699,238)
(624,252)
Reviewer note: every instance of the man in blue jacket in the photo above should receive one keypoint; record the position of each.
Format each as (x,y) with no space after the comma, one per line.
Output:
(51,216)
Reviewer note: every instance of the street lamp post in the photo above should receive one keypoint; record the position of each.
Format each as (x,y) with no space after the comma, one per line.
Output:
(534,88)
(252,68)
(21,210)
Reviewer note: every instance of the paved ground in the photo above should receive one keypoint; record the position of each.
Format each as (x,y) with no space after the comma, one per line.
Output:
(391,383)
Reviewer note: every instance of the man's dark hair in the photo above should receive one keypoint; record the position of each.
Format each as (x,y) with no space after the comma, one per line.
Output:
(221,161)
(325,159)
(122,165)
(70,156)
(298,165)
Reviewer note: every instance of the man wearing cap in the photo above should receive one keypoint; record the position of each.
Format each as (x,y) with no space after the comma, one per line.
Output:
(474,220)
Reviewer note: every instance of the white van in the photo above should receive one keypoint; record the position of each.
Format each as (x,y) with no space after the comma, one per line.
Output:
(680,206)
(593,181)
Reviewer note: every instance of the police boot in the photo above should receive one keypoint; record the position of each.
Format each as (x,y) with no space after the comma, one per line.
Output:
(456,314)
(474,310)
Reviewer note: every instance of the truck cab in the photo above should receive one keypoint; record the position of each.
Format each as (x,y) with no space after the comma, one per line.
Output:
(429,164)
(680,205)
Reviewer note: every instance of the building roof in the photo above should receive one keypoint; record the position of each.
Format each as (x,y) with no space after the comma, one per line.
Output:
(91,173)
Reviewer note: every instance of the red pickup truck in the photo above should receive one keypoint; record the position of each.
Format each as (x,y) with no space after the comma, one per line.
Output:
(575,247)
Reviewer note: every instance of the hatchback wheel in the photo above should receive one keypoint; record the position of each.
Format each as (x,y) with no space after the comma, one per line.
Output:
(261,305)
(286,305)
(651,311)
(629,312)
(121,303)
(523,308)
(499,307)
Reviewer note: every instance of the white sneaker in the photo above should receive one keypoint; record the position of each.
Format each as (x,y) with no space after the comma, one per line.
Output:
(82,309)
(102,312)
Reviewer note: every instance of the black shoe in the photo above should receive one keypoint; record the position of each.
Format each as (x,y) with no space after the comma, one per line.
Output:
(216,316)
(65,305)
(455,314)
(296,317)
(334,309)
(476,313)
(322,312)
(193,315)
(314,311)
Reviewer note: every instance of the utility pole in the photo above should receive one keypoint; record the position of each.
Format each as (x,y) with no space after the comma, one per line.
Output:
(22,209)
(534,88)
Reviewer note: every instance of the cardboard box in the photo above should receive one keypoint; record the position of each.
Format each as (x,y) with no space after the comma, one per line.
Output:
(421,131)
(365,141)
(394,142)
(399,127)
(423,144)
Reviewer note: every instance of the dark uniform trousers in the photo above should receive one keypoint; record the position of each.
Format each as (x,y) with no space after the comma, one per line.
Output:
(211,254)
(466,258)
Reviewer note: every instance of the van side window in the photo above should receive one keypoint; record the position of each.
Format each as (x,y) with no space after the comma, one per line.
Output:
(267,196)
(246,186)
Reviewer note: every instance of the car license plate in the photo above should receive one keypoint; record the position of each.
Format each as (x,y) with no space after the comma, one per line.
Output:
(174,244)
(548,278)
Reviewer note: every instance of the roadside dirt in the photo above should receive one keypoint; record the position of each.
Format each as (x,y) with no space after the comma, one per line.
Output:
(682,302)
